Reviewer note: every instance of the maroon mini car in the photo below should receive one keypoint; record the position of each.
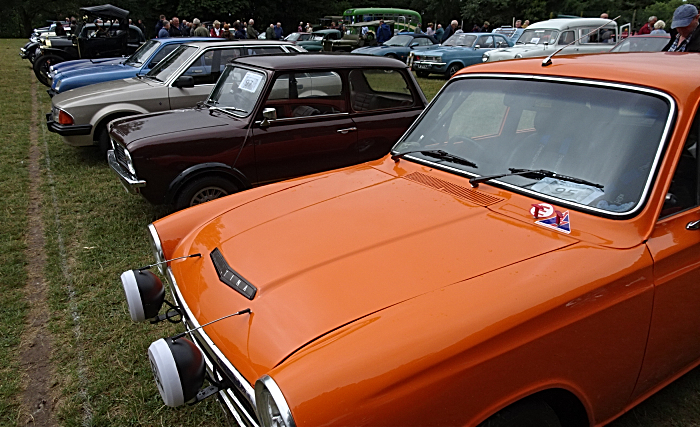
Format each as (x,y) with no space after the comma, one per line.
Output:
(267,119)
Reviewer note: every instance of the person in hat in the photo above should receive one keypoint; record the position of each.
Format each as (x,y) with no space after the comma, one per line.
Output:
(685,22)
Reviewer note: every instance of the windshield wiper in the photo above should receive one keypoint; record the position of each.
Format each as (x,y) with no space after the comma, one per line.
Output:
(227,108)
(534,174)
(440,154)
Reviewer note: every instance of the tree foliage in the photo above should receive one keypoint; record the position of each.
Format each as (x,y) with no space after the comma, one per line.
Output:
(20,16)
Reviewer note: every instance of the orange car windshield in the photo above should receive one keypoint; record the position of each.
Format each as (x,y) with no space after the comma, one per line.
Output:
(598,145)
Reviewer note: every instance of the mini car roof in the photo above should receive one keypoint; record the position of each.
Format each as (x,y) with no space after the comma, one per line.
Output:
(320,60)
(106,10)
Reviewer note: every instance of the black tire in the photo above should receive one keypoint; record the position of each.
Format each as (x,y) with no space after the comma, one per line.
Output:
(452,69)
(204,189)
(422,74)
(526,413)
(41,67)
(104,143)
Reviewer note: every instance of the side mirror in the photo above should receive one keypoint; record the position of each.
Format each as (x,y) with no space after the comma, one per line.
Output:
(414,44)
(477,47)
(184,81)
(268,115)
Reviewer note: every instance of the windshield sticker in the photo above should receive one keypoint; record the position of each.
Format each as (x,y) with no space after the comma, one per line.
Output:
(579,193)
(250,82)
(535,40)
(541,210)
(559,222)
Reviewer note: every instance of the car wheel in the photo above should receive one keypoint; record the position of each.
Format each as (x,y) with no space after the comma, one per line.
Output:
(41,67)
(202,190)
(527,413)
(422,74)
(103,142)
(452,69)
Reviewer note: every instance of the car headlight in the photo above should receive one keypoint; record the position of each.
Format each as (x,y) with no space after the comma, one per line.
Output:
(271,406)
(518,56)
(58,86)
(48,43)
(485,57)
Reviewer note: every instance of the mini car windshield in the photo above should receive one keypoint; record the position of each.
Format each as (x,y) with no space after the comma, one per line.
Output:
(237,90)
(641,44)
(172,62)
(460,39)
(538,36)
(401,41)
(142,53)
(570,133)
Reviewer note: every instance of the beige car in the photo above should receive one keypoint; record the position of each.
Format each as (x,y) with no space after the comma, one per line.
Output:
(180,80)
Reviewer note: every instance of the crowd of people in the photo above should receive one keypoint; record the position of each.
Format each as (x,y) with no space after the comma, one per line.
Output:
(230,31)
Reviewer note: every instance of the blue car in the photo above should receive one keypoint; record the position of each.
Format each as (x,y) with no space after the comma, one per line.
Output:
(87,72)
(459,51)
(399,46)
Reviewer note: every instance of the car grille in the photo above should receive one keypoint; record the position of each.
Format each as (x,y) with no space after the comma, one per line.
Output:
(119,153)
(431,58)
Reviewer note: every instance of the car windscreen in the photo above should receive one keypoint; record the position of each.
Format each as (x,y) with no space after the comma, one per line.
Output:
(641,44)
(142,53)
(172,62)
(317,36)
(401,41)
(607,139)
(293,37)
(537,36)
(237,90)
(460,39)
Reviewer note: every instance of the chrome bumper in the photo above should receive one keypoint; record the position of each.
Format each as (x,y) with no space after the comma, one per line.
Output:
(238,401)
(427,64)
(129,181)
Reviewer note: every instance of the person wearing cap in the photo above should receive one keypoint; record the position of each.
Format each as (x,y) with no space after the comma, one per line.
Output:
(685,21)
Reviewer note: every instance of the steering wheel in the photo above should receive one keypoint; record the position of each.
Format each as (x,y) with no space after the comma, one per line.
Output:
(465,145)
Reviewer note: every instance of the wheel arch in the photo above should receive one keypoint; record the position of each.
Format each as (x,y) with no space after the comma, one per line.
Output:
(205,169)
(58,52)
(569,408)
(112,112)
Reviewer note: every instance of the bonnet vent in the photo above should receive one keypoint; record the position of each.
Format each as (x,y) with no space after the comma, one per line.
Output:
(464,193)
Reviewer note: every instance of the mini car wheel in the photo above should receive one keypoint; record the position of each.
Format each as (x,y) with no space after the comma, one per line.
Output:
(528,413)
(452,69)
(204,189)
(422,74)
(41,67)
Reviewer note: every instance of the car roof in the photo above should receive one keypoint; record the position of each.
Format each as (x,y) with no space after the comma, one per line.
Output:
(635,68)
(189,40)
(566,23)
(327,30)
(246,42)
(318,60)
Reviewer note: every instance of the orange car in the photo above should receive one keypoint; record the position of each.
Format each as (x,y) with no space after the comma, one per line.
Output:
(528,255)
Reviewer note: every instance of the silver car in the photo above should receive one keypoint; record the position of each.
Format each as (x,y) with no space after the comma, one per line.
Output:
(180,80)
(544,38)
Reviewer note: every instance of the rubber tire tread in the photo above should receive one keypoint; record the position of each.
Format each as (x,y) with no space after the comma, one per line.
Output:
(526,413)
(38,62)
(183,198)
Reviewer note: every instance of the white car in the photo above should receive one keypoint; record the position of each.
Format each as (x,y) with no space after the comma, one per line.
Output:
(544,38)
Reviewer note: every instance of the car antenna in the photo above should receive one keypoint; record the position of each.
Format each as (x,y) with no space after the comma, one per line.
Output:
(548,60)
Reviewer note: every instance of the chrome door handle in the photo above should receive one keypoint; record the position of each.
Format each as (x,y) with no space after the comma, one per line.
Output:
(693,225)
(344,131)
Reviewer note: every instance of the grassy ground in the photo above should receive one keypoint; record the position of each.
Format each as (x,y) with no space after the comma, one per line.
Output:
(15,111)
(94,231)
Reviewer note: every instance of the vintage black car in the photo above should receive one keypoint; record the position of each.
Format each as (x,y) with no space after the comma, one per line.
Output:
(269,118)
(109,36)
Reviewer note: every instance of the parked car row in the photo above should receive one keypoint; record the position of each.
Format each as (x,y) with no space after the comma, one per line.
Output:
(520,251)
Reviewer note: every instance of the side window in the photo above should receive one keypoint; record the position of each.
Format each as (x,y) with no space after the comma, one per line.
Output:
(261,50)
(162,54)
(500,41)
(599,36)
(379,90)
(208,67)
(423,41)
(485,42)
(566,37)
(683,193)
(134,36)
(307,94)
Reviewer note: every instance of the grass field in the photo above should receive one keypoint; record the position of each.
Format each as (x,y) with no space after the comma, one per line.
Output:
(93,232)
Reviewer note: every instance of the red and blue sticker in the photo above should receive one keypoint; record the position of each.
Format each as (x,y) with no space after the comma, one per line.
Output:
(552,218)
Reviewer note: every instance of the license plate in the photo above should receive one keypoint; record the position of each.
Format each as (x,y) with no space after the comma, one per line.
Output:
(422,65)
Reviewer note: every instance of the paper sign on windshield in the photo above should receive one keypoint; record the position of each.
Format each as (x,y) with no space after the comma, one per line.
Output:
(579,193)
(250,82)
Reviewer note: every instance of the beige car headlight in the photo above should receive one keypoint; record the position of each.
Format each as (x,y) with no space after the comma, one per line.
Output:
(48,43)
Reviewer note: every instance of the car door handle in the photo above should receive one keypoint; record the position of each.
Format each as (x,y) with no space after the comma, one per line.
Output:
(693,225)
(344,131)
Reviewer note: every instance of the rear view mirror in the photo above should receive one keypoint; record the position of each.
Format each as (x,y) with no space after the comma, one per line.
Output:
(184,81)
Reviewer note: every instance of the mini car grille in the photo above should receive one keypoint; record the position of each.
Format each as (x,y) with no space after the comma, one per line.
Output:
(464,193)
(120,154)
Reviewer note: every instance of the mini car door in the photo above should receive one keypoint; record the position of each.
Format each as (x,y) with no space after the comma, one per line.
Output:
(673,342)
(383,106)
(205,71)
(311,131)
